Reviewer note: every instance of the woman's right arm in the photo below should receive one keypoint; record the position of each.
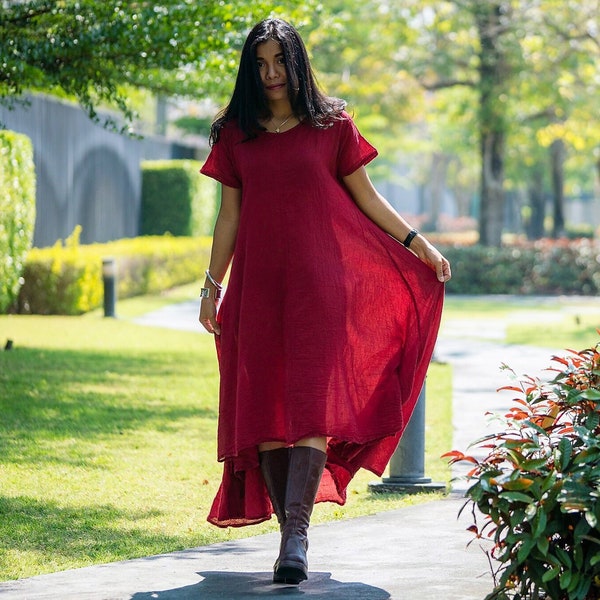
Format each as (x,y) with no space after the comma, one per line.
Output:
(224,237)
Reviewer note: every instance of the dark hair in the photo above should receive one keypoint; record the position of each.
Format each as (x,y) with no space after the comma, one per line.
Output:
(248,103)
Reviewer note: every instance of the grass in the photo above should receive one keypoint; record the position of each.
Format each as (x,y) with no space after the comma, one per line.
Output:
(549,322)
(107,441)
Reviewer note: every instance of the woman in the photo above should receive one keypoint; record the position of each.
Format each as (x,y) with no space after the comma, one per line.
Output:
(329,322)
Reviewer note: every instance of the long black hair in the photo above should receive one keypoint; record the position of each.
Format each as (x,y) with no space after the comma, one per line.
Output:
(248,103)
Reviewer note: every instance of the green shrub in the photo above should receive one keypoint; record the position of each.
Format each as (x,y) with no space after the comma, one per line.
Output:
(176,199)
(17,212)
(67,278)
(546,267)
(61,280)
(537,486)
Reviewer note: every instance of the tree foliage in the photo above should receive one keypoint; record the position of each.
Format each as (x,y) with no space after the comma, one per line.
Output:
(467,79)
(534,66)
(93,49)
(508,87)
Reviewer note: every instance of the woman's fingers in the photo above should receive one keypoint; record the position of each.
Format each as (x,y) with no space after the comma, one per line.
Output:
(443,270)
(208,318)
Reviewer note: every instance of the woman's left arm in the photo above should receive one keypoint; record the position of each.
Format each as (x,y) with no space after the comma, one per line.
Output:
(378,209)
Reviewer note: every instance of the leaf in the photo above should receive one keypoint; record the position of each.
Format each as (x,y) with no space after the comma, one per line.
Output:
(516,497)
(565,449)
(590,394)
(457,456)
(590,517)
(535,427)
(525,549)
(522,483)
(564,556)
(551,574)
(565,580)
(543,545)
(540,525)
(510,388)
(534,464)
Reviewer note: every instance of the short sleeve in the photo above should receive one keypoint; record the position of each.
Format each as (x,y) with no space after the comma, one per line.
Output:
(220,164)
(354,151)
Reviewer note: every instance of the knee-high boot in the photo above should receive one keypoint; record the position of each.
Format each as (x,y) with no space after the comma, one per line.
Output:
(274,466)
(304,475)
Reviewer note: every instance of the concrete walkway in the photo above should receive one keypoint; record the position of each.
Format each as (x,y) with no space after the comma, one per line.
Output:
(415,553)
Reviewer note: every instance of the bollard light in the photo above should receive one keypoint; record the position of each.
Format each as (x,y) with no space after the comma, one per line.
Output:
(109,279)
(407,465)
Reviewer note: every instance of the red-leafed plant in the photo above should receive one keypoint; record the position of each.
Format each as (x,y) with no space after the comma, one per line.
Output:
(538,487)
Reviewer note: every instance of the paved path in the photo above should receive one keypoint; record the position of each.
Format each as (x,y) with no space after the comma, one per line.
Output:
(415,553)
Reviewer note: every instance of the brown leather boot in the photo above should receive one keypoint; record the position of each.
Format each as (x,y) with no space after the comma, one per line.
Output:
(274,467)
(304,475)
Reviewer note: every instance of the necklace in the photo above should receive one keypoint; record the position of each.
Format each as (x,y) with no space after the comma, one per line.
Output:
(278,128)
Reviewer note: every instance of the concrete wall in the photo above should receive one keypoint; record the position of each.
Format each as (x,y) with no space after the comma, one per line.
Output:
(85,175)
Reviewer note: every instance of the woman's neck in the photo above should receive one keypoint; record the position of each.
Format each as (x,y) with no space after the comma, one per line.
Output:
(280,109)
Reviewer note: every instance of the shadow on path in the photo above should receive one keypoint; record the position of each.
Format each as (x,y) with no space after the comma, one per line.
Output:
(231,585)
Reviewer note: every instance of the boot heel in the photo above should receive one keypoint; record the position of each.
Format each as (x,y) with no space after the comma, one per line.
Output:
(290,575)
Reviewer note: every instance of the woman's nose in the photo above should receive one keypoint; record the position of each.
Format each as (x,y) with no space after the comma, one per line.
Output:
(272,72)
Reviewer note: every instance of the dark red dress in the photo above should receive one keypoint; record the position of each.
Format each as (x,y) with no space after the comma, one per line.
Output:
(328,323)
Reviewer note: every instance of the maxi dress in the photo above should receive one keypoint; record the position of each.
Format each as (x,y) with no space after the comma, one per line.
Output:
(328,324)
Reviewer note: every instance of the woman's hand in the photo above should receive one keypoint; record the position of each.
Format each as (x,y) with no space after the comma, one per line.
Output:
(208,315)
(430,255)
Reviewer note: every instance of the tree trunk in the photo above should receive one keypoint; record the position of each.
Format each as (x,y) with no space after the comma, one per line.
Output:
(557,161)
(537,203)
(492,119)
(491,219)
(436,187)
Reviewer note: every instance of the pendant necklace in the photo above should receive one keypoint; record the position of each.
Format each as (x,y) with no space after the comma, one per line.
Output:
(278,129)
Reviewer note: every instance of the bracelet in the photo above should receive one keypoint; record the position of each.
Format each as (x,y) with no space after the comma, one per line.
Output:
(409,238)
(212,280)
(205,293)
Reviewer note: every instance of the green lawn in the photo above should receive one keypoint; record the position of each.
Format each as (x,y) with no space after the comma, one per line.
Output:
(107,441)
(557,323)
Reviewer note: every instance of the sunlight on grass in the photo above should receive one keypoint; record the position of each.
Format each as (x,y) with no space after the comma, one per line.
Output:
(575,332)
(547,322)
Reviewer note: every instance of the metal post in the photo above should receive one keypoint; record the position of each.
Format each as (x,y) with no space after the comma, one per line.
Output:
(407,465)
(109,278)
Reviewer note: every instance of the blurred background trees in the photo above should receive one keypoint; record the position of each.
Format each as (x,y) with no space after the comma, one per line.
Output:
(487,102)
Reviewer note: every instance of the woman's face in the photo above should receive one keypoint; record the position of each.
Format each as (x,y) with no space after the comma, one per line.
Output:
(271,66)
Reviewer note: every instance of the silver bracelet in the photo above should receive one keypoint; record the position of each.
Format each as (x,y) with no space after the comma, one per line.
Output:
(213,281)
(205,293)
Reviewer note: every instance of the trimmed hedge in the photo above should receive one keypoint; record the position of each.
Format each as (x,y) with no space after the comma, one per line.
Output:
(546,267)
(17,212)
(176,199)
(67,278)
